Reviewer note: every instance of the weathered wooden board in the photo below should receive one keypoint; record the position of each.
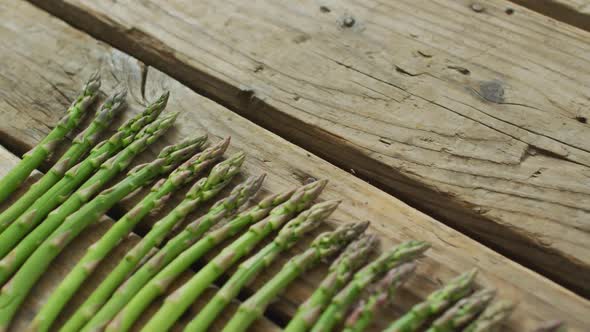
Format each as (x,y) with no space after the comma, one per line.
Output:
(34,45)
(72,254)
(473,115)
(574,12)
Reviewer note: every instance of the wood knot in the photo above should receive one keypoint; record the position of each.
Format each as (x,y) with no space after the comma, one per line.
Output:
(477,7)
(492,91)
(348,22)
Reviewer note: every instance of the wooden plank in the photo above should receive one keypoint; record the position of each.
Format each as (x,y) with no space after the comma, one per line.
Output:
(475,116)
(35,45)
(68,258)
(574,12)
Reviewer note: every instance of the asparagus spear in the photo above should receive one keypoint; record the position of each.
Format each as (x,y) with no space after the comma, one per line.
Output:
(131,131)
(182,298)
(552,326)
(491,318)
(11,262)
(203,190)
(335,312)
(32,159)
(436,302)
(238,197)
(182,175)
(354,256)
(81,144)
(14,292)
(305,222)
(463,312)
(324,246)
(384,291)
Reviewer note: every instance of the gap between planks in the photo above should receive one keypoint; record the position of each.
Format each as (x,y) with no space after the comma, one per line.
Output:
(573,12)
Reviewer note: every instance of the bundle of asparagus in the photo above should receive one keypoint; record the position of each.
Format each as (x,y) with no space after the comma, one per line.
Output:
(81,144)
(436,302)
(238,197)
(14,292)
(354,256)
(181,299)
(185,173)
(324,246)
(287,237)
(396,256)
(63,202)
(383,292)
(31,160)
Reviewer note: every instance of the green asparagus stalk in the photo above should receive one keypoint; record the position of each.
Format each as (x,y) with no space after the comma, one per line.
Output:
(13,293)
(323,247)
(435,303)
(134,129)
(305,222)
(81,144)
(238,197)
(492,318)
(108,170)
(159,193)
(352,258)
(552,326)
(383,292)
(463,312)
(182,298)
(205,189)
(405,252)
(32,159)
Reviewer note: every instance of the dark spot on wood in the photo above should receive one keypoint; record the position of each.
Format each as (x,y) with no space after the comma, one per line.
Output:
(413,35)
(259,67)
(384,141)
(348,22)
(301,39)
(426,55)
(462,70)
(492,91)
(405,72)
(582,119)
(324,9)
(296,97)
(509,11)
(309,180)
(477,7)
(303,177)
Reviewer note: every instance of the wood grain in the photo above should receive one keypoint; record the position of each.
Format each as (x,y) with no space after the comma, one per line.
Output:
(35,45)
(574,12)
(476,117)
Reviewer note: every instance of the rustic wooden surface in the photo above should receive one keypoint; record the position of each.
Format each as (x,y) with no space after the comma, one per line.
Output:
(72,254)
(574,12)
(45,61)
(475,115)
